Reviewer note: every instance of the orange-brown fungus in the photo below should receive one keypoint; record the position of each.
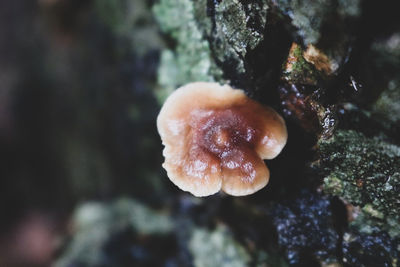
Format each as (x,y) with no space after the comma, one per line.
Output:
(216,138)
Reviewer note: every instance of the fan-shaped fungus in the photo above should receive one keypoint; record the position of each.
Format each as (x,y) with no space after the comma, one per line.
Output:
(216,138)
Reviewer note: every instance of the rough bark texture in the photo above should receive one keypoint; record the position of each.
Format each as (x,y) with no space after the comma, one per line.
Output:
(323,85)
(86,83)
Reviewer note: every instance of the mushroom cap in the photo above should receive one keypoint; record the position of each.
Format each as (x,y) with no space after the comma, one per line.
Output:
(215,138)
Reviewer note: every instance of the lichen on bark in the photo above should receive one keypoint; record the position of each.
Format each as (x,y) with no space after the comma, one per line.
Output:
(324,85)
(189,58)
(210,42)
(366,173)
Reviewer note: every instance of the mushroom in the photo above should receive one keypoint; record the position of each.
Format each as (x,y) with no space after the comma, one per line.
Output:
(216,138)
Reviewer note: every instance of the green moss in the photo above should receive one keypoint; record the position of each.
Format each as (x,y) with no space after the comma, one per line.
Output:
(95,223)
(141,218)
(301,71)
(221,250)
(333,185)
(365,172)
(372,212)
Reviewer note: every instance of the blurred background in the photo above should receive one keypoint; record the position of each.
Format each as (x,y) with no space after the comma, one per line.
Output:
(77,117)
(82,82)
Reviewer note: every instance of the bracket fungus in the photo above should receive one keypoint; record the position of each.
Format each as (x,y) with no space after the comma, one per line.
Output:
(216,138)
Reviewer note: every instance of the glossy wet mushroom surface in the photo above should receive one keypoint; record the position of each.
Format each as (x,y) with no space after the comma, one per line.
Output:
(216,138)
